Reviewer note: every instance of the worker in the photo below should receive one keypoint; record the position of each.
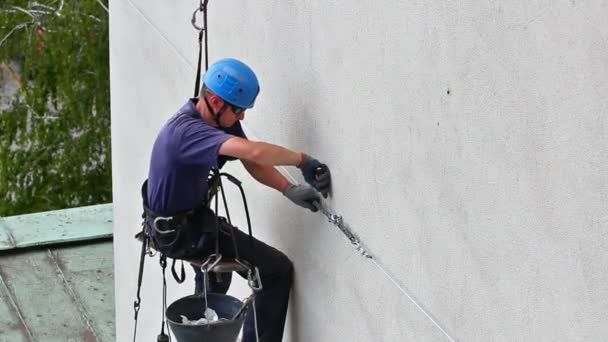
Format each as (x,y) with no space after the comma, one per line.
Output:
(204,134)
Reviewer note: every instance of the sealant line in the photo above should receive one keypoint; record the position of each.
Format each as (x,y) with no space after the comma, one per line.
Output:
(288,175)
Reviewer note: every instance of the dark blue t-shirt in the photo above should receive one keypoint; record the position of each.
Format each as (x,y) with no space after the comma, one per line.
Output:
(183,154)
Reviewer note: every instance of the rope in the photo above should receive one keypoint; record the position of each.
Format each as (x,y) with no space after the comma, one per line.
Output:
(104,6)
(163,336)
(368,256)
(160,33)
(288,175)
(412,300)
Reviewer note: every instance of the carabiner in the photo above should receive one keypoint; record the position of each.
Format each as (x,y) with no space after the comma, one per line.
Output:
(253,277)
(193,20)
(201,8)
(206,268)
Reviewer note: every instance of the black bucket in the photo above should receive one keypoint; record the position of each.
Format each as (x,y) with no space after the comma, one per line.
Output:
(193,307)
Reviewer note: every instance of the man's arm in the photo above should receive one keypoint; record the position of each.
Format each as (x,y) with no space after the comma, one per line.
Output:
(264,154)
(259,152)
(267,175)
(302,195)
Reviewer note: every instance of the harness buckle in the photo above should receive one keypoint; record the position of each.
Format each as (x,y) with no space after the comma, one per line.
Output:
(165,219)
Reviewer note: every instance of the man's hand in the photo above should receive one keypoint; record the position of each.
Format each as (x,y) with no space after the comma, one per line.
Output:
(302,195)
(316,174)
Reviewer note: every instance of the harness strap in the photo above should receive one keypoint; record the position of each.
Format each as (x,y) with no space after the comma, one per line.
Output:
(175,217)
(177,278)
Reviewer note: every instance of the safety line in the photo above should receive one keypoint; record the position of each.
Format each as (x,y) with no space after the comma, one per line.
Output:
(412,299)
(374,260)
(288,175)
(104,6)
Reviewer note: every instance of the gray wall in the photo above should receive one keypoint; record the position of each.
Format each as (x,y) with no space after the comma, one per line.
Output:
(467,142)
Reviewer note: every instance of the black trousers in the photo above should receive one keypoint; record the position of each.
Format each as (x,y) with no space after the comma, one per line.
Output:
(276,273)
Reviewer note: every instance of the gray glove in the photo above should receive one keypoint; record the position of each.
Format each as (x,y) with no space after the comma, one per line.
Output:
(303,195)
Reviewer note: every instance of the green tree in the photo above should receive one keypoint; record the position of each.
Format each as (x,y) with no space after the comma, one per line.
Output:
(55,136)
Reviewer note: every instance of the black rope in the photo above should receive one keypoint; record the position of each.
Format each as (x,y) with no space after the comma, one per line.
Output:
(251,244)
(202,35)
(197,81)
(216,173)
(137,302)
(236,182)
(162,337)
(216,185)
(178,278)
(231,227)
(204,5)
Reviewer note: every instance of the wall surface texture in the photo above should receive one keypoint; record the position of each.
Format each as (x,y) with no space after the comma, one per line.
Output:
(468,147)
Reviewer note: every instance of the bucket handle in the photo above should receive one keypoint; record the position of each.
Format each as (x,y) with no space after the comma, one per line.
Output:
(205,268)
(246,303)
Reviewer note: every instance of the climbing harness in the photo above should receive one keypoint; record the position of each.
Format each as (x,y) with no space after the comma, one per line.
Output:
(236,313)
(253,273)
(223,226)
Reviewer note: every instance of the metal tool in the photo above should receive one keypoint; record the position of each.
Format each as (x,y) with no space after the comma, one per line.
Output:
(320,171)
(337,220)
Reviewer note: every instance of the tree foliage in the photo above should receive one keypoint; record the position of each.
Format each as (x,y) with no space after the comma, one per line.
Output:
(55,137)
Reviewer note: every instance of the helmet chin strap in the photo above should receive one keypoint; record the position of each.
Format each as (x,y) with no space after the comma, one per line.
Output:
(216,116)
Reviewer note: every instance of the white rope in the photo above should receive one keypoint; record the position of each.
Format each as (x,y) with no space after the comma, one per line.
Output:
(104,6)
(288,175)
(412,300)
(386,274)
(160,33)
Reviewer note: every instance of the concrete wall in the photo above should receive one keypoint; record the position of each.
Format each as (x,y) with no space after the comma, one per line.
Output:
(467,142)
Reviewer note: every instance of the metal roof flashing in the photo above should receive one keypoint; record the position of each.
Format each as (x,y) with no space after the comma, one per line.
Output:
(57,276)
(56,227)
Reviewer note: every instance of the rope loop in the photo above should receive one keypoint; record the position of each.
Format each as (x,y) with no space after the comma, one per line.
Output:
(202,7)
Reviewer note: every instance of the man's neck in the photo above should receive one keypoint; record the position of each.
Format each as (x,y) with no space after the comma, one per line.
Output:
(201,107)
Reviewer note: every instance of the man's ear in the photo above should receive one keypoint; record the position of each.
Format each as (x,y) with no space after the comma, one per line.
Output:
(215,100)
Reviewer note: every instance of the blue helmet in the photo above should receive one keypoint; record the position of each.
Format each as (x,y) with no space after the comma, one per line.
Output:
(233,81)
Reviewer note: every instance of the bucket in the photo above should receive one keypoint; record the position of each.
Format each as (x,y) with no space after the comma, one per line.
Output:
(193,307)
